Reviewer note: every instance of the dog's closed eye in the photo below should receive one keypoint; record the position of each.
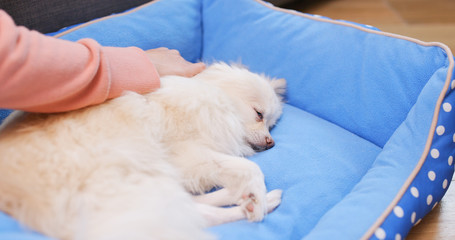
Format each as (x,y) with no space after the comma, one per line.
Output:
(260,117)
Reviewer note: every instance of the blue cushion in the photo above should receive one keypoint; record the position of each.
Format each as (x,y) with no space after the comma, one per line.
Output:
(366,142)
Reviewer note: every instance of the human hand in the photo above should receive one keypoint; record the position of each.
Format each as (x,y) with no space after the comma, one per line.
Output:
(170,62)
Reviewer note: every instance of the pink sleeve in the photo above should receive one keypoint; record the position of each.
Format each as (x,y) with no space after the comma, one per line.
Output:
(44,74)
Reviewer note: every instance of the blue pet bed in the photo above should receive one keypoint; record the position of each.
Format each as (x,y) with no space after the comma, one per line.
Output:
(366,142)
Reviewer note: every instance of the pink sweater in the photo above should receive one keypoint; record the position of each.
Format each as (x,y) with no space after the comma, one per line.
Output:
(44,74)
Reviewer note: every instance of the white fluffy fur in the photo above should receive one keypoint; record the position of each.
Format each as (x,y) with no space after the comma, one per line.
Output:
(137,167)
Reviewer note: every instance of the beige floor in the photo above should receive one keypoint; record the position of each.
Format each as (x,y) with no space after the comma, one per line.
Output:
(427,20)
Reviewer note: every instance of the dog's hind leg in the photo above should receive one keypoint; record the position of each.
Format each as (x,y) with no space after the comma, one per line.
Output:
(142,208)
(218,215)
(218,198)
(223,197)
(214,215)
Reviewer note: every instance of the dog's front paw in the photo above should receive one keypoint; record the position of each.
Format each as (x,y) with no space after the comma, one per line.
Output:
(253,207)
(255,210)
(253,200)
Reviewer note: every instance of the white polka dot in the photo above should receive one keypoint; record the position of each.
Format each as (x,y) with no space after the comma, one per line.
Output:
(429,199)
(453,138)
(434,153)
(418,221)
(398,211)
(440,130)
(447,107)
(413,217)
(432,175)
(415,192)
(380,233)
(435,204)
(445,184)
(398,236)
(453,84)
(450,161)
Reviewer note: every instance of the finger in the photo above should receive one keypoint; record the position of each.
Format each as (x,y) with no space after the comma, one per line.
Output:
(200,65)
(197,68)
(192,70)
(174,51)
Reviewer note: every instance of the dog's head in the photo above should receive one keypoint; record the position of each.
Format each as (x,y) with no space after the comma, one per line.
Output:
(258,100)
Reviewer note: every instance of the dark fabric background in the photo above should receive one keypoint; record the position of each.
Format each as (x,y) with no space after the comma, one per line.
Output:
(51,15)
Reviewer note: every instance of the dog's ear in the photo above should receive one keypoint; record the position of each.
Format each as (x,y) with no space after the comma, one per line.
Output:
(279,85)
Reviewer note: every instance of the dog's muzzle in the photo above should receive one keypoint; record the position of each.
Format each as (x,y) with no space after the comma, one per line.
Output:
(268,143)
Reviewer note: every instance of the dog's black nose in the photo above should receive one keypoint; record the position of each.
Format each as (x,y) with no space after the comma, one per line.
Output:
(270,143)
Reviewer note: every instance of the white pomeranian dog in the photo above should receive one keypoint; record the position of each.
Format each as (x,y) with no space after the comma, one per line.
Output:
(139,166)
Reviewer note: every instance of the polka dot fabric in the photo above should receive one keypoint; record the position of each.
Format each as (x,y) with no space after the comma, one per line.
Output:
(432,181)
